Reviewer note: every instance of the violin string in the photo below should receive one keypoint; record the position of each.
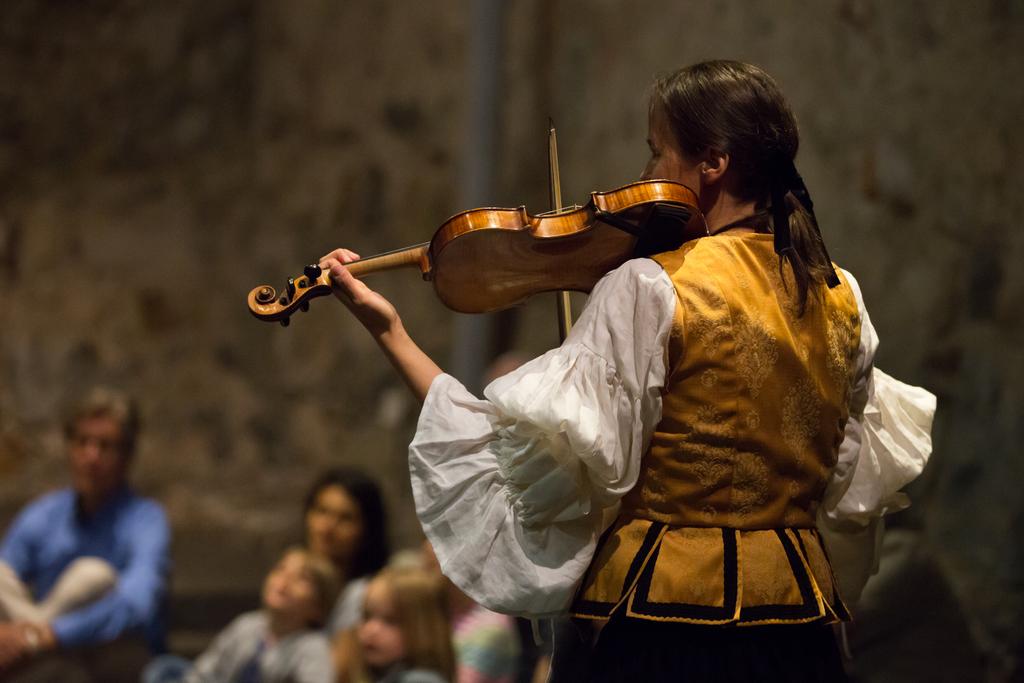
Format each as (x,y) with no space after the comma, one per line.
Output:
(564,209)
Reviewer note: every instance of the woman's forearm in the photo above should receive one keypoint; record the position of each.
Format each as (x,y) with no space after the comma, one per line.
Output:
(416,367)
(381,320)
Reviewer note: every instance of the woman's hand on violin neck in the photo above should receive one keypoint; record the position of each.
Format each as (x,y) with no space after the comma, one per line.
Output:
(376,313)
(381,319)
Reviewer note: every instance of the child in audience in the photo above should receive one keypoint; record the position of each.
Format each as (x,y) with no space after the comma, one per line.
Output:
(281,643)
(404,634)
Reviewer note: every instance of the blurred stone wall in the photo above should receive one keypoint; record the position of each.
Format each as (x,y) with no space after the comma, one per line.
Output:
(157,160)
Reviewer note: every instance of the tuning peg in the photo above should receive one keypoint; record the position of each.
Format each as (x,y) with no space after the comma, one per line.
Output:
(304,306)
(312,273)
(291,288)
(285,321)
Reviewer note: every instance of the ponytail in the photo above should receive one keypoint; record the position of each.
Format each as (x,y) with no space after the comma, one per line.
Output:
(799,240)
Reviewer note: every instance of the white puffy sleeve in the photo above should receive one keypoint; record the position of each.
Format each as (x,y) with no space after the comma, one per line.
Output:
(887,443)
(513,490)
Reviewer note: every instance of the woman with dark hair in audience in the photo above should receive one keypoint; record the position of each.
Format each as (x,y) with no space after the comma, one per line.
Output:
(344,521)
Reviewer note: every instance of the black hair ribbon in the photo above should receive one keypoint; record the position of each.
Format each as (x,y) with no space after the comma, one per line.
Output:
(787,179)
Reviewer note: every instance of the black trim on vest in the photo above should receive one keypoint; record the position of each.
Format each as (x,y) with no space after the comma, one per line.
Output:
(604,609)
(808,609)
(837,605)
(642,607)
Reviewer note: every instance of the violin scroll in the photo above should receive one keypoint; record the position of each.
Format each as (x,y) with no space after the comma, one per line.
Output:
(265,304)
(314,282)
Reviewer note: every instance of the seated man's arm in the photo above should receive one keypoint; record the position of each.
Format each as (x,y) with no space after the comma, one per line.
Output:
(136,598)
(17,550)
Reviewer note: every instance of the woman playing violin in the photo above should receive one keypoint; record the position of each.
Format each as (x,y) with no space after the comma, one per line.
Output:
(662,473)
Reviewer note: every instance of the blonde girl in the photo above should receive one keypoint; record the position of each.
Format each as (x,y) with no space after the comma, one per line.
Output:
(404,634)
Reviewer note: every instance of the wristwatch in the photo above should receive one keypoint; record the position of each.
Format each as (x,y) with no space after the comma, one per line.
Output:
(33,635)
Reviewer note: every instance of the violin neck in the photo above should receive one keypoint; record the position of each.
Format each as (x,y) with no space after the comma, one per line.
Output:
(415,256)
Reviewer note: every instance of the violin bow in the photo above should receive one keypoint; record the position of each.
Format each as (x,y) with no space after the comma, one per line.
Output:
(555,195)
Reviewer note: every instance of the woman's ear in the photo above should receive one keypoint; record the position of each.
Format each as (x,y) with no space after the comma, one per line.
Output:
(713,166)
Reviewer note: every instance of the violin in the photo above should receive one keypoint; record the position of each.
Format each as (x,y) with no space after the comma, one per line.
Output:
(489,259)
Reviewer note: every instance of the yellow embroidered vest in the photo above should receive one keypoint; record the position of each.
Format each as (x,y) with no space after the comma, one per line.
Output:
(720,527)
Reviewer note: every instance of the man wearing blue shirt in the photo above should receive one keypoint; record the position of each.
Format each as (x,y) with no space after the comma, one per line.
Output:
(86,565)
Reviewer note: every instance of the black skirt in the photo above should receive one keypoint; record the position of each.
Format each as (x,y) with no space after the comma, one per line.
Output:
(649,651)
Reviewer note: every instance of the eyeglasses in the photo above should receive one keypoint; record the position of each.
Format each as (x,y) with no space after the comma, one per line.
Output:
(105,446)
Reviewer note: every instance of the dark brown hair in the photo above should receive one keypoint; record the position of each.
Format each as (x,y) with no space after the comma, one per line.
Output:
(738,109)
(373,550)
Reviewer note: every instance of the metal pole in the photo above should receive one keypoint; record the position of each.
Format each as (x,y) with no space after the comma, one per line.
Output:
(471,350)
